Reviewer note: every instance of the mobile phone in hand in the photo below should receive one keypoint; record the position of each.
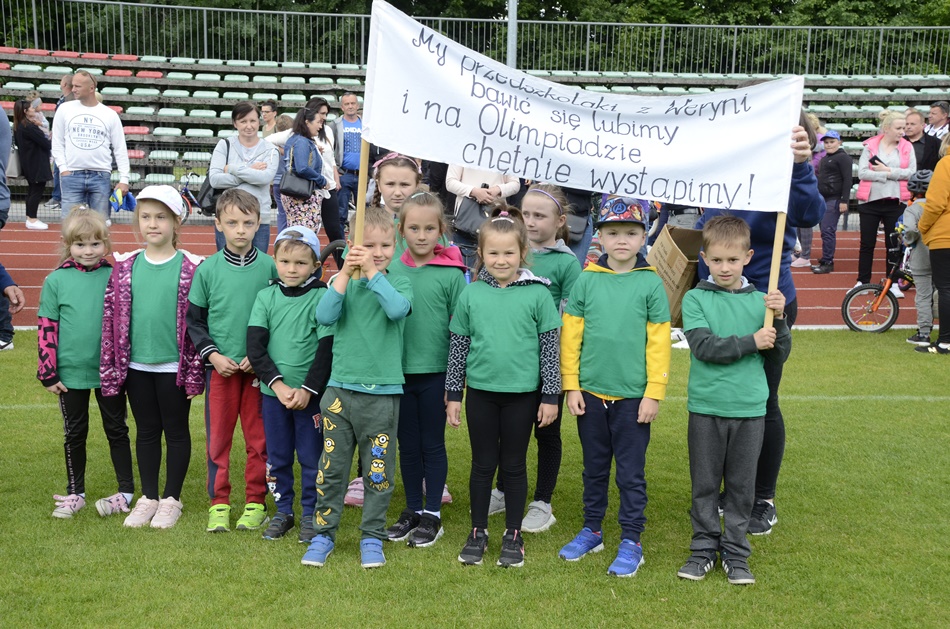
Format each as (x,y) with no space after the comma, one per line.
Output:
(875,160)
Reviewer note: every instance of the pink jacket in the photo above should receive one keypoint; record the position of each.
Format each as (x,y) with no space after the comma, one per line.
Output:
(117,319)
(904,149)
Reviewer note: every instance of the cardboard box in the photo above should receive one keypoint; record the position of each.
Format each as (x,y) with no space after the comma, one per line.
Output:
(675,255)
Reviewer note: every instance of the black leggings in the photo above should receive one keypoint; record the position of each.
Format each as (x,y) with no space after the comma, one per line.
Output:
(773,441)
(549,456)
(499,428)
(34,194)
(160,406)
(74,405)
(330,213)
(882,211)
(940,262)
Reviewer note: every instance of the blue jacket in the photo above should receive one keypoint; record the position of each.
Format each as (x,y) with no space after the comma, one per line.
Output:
(806,207)
(307,161)
(6,139)
(5,280)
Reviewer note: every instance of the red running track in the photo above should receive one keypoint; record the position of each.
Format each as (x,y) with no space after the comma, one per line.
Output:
(29,256)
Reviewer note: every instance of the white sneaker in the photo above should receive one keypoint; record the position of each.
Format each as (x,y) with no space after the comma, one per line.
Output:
(858,283)
(6,345)
(169,510)
(36,224)
(677,335)
(108,222)
(897,292)
(539,517)
(52,204)
(497,502)
(800,263)
(142,513)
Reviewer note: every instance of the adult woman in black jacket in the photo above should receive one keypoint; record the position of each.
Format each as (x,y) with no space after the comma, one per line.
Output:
(34,149)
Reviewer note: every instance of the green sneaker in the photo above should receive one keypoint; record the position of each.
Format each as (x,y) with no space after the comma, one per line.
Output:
(219,519)
(255,516)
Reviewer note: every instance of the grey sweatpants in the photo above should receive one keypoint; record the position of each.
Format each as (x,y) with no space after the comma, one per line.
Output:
(723,449)
(924,302)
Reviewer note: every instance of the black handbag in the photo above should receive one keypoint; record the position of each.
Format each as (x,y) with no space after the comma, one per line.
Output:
(293,185)
(576,226)
(207,197)
(471,215)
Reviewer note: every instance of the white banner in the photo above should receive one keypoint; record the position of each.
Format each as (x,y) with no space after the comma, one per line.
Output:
(432,98)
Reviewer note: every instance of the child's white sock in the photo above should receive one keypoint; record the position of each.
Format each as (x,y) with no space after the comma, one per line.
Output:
(128,497)
(437,514)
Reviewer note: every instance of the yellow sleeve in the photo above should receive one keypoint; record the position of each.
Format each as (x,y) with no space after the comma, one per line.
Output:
(658,359)
(938,195)
(572,335)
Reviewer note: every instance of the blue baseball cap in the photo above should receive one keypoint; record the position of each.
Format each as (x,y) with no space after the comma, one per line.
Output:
(300,234)
(831,133)
(615,209)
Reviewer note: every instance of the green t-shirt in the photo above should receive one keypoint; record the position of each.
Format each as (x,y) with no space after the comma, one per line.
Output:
(738,389)
(435,293)
(616,308)
(153,333)
(504,324)
(367,344)
(294,333)
(228,292)
(560,267)
(74,298)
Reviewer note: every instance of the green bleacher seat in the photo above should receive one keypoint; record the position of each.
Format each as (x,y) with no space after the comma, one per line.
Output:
(913,77)
(864,77)
(716,76)
(623,89)
(237,62)
(763,75)
(144,91)
(639,75)
(235,95)
(236,78)
(160,178)
(561,73)
(808,90)
(168,132)
(819,109)
(225,114)
(864,127)
(699,90)
(857,91)
(319,65)
(210,62)
(320,80)
(827,90)
(738,75)
(49,87)
(538,72)
(939,77)
(141,111)
(153,59)
(92,71)
(227,133)
(597,88)
(670,89)
(58,70)
(171,111)
(613,75)
(176,94)
(588,74)
(907,91)
(265,64)
(263,78)
(814,77)
(690,75)
(293,98)
(204,94)
(196,156)
(837,126)
(883,91)
(352,67)
(294,64)
(259,96)
(203,113)
(852,146)
(348,81)
(180,76)
(649,89)
(839,77)
(932,90)
(205,76)
(854,170)
(327,97)
(722,89)
(199,133)
(117,91)
(26,67)
(293,79)
(19,85)
(182,60)
(872,109)
(163,155)
(847,108)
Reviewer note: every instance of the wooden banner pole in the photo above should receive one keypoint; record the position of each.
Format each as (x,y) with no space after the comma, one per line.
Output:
(777,246)
(356,229)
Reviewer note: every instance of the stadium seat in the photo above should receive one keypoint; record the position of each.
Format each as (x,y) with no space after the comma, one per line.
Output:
(837,126)
(348,82)
(852,146)
(49,87)
(203,76)
(203,113)
(932,90)
(210,62)
(296,80)
(613,75)
(827,90)
(4,66)
(133,177)
(264,78)
(261,96)
(294,64)
(224,114)
(864,127)
(351,67)
(136,154)
(176,94)
(236,78)
(161,154)
(153,59)
(319,65)
(648,89)
(133,130)
(913,77)
(160,178)
(320,80)
(853,91)
(846,108)
(699,90)
(664,75)
(235,96)
(196,156)
(118,72)
(166,112)
(588,74)
(9,50)
(670,89)
(145,91)
(596,88)
(881,91)
(27,67)
(636,74)
(58,70)
(92,71)
(238,62)
(65,54)
(265,64)
(872,109)
(227,133)
(623,89)
(938,77)
(115,91)
(116,108)
(140,111)
(169,132)
(205,94)
(538,72)
(179,76)
(48,107)
(182,60)
(36,52)
(7,104)
(98,56)
(561,73)
(838,77)
(293,98)
(690,75)
(199,133)
(148,74)
(125,57)
(818,108)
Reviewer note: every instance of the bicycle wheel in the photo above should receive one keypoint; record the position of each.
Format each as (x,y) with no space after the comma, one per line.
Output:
(186,209)
(327,252)
(858,313)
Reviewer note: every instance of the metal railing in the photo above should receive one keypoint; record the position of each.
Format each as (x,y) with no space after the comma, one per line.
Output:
(194,32)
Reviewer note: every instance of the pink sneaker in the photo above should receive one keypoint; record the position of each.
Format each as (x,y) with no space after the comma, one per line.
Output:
(169,510)
(66,506)
(142,513)
(112,505)
(446,496)
(354,493)
(801,263)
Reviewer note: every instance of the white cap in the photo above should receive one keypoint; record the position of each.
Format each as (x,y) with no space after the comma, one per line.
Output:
(164,194)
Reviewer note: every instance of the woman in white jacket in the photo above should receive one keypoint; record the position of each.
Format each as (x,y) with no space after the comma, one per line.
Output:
(467,182)
(246,162)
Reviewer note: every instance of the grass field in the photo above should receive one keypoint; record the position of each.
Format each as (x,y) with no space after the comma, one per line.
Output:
(862,538)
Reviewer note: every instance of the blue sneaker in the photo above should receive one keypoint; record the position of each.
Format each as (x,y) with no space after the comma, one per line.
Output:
(320,548)
(371,553)
(628,561)
(586,541)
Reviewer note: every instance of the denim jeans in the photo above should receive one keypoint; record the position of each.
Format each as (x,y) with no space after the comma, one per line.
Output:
(6,320)
(349,185)
(57,194)
(580,248)
(91,187)
(261,238)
